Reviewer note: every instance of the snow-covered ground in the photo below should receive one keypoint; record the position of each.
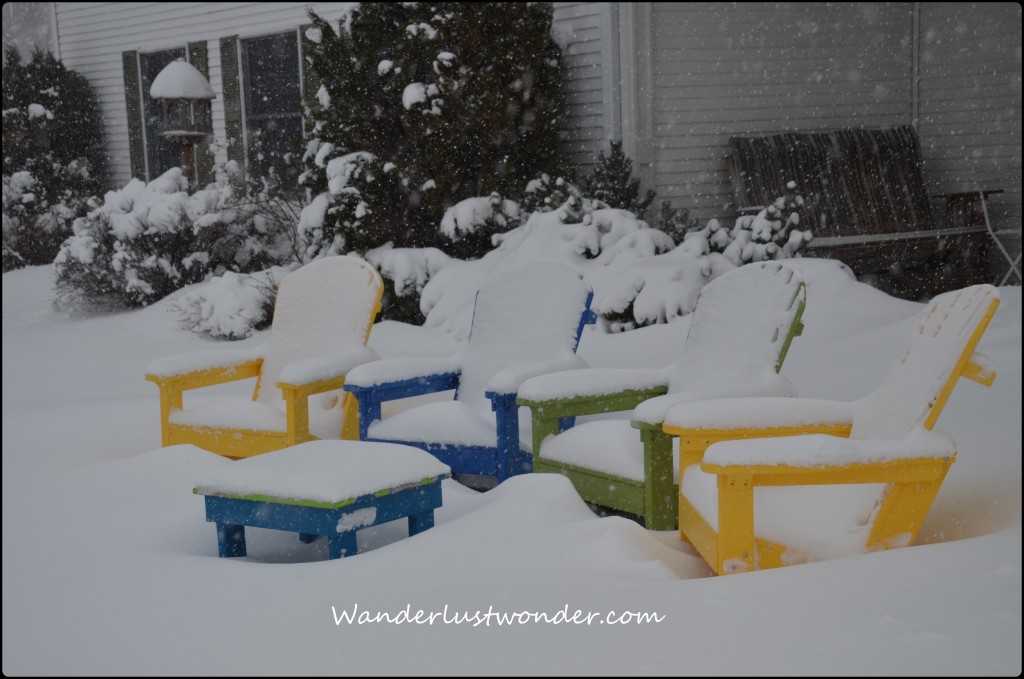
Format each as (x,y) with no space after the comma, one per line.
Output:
(110,568)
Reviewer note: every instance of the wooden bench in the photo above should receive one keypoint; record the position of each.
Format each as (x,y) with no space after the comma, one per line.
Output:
(866,204)
(322,488)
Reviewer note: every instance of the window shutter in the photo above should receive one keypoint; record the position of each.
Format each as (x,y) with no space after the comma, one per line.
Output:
(204,161)
(310,80)
(231,84)
(133,106)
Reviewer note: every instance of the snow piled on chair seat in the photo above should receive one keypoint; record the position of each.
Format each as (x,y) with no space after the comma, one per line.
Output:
(447,422)
(607,446)
(813,450)
(813,522)
(234,413)
(322,471)
(239,413)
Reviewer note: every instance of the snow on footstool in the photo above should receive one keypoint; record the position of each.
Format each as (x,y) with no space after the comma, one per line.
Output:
(329,488)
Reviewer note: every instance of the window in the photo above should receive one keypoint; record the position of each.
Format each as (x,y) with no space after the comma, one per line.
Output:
(161,154)
(273,110)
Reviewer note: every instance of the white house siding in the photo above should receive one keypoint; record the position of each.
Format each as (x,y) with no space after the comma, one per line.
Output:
(93,35)
(970,105)
(578,30)
(728,69)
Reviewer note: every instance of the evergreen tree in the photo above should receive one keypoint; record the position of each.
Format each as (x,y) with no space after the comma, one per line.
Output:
(423,105)
(52,155)
(613,183)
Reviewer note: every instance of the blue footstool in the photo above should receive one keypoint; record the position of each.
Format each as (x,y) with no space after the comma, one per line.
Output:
(329,488)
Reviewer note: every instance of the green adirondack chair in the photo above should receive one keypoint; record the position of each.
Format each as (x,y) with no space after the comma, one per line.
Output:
(739,335)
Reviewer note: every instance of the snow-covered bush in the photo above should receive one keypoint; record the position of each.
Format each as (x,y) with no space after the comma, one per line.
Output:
(405,272)
(148,240)
(772,233)
(52,154)
(639,275)
(544,194)
(231,306)
(468,226)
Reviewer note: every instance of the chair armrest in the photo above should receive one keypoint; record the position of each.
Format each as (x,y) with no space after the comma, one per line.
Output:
(654,412)
(394,370)
(396,378)
(590,382)
(196,369)
(819,459)
(323,373)
(980,369)
(762,413)
(509,379)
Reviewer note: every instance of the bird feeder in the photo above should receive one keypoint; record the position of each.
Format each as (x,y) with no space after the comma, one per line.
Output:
(184,96)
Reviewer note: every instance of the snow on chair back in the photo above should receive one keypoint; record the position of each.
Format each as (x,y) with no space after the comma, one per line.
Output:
(927,365)
(324,307)
(530,312)
(742,327)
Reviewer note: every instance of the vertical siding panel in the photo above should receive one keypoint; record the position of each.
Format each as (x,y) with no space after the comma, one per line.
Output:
(970,107)
(577,28)
(733,69)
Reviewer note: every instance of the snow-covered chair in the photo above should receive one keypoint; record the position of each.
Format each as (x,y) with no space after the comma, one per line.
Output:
(322,319)
(527,321)
(739,335)
(763,503)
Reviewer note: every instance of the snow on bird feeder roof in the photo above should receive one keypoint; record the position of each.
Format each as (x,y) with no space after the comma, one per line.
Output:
(181,80)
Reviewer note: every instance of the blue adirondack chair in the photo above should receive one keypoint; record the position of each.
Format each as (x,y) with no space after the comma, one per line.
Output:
(527,321)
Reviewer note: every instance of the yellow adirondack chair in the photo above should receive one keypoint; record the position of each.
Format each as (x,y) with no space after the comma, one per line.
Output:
(322,320)
(771,482)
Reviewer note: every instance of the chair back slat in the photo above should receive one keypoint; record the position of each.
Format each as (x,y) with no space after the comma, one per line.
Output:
(930,360)
(529,312)
(326,307)
(742,327)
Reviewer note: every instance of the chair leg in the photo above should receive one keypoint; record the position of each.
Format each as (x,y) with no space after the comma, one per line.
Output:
(421,522)
(230,539)
(902,512)
(661,495)
(350,423)
(341,545)
(735,524)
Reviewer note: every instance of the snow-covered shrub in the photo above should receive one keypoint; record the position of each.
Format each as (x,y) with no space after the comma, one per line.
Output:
(405,272)
(468,226)
(52,154)
(148,240)
(676,223)
(231,306)
(241,232)
(130,251)
(772,233)
(544,194)
(613,183)
(639,275)
(365,200)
